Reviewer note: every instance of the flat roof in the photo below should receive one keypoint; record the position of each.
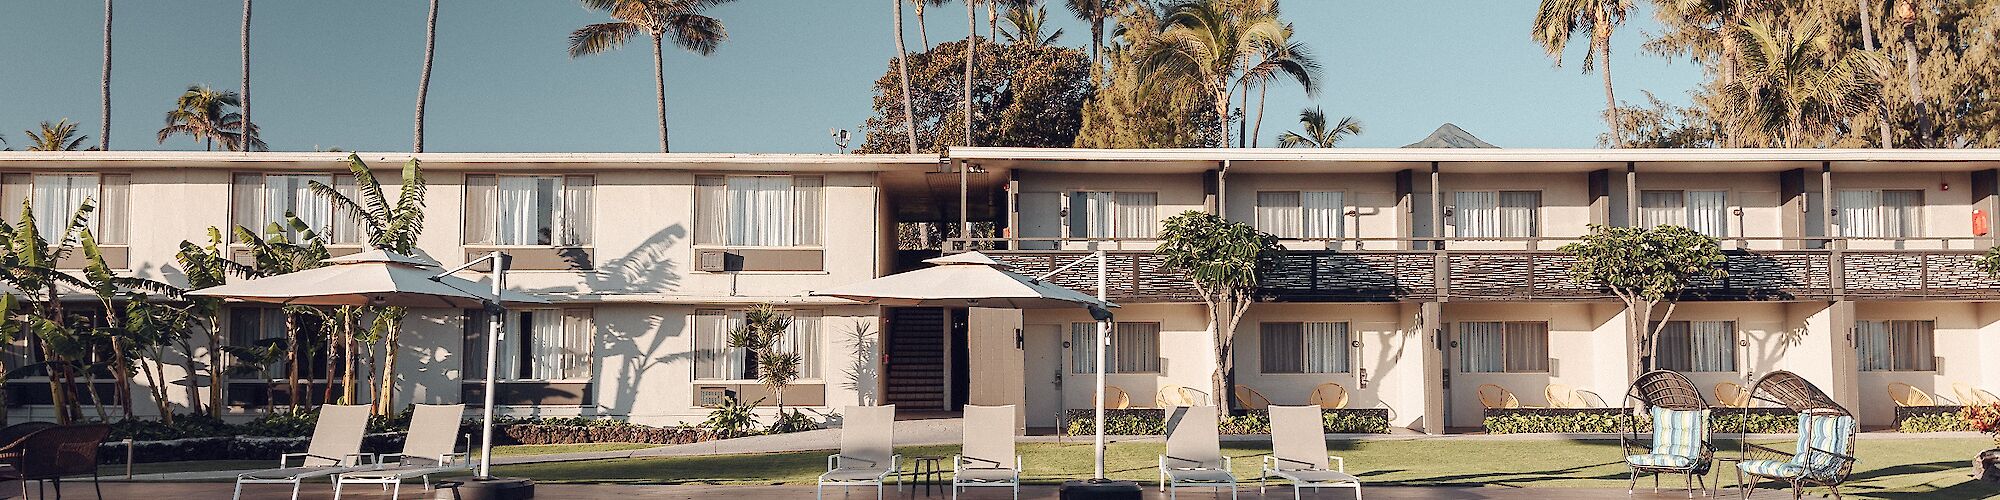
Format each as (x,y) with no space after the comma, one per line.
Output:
(321,160)
(1426,155)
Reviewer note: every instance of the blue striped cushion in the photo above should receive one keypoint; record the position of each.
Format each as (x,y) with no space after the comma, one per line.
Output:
(1771,468)
(1825,432)
(1679,433)
(1658,460)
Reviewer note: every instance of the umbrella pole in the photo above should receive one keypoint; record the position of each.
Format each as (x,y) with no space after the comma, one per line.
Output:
(499,318)
(1103,341)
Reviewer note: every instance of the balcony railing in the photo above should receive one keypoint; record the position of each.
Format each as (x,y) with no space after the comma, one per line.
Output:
(1935,271)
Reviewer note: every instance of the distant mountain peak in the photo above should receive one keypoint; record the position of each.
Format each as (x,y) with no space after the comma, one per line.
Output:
(1450,136)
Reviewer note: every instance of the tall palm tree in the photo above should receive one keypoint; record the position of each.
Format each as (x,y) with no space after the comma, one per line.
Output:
(971,42)
(205,114)
(681,20)
(903,71)
(923,35)
(104,87)
(1026,26)
(245,146)
(1207,44)
(1868,44)
(424,80)
(58,136)
(1093,13)
(1557,21)
(1285,60)
(1906,11)
(1795,82)
(1317,134)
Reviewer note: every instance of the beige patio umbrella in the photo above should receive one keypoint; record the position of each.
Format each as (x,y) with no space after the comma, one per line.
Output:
(384,278)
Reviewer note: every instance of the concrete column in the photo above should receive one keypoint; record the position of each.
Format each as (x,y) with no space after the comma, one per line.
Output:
(1823,349)
(1609,374)
(1425,321)
(997,361)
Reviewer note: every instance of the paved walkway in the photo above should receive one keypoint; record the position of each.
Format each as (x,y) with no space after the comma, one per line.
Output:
(320,490)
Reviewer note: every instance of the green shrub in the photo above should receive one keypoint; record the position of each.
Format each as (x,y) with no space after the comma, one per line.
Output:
(1148,422)
(1577,422)
(1770,422)
(732,418)
(1355,423)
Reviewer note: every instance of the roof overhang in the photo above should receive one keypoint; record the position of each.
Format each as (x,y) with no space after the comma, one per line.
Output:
(286,160)
(1362,160)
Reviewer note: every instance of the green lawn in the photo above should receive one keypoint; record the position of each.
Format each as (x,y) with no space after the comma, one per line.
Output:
(546,449)
(118,470)
(1904,468)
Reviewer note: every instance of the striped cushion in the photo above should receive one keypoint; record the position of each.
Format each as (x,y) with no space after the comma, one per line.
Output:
(1679,433)
(1658,460)
(1771,468)
(1824,432)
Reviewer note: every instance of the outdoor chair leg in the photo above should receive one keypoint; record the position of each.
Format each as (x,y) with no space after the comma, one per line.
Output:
(1357,491)
(234,496)
(1656,483)
(397,493)
(1232,491)
(1634,484)
(337,483)
(100,488)
(295,490)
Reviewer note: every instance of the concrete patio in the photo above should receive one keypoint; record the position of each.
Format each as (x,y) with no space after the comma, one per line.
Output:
(580,492)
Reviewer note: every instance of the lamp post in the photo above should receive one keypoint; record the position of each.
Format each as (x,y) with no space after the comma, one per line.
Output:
(1103,318)
(484,485)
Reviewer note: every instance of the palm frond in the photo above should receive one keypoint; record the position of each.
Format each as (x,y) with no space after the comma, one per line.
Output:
(696,33)
(599,38)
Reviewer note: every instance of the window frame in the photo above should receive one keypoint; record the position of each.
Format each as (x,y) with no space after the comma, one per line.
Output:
(1687,215)
(1069,209)
(1111,357)
(694,366)
(699,225)
(514,338)
(1882,215)
(1928,363)
(1500,226)
(1548,358)
(329,235)
(1735,345)
(559,204)
(99,205)
(1340,213)
(1346,348)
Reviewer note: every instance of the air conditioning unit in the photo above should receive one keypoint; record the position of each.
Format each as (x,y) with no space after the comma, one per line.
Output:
(711,261)
(709,396)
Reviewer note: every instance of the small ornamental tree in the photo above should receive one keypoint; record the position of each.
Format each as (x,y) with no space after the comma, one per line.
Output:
(763,335)
(1646,268)
(1225,261)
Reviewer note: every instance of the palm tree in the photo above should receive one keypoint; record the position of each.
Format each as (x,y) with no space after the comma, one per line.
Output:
(971,42)
(246,72)
(903,70)
(1906,11)
(1025,26)
(204,114)
(1868,44)
(28,264)
(1093,13)
(112,291)
(1559,20)
(424,81)
(1287,59)
(104,87)
(923,35)
(679,19)
(392,225)
(1317,134)
(58,136)
(1206,44)
(1798,81)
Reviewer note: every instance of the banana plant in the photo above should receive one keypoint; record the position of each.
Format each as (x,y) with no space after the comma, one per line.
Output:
(28,264)
(274,253)
(392,225)
(208,266)
(113,293)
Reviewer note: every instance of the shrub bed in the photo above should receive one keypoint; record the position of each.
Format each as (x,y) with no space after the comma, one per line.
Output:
(1151,422)
(581,434)
(1612,420)
(1931,419)
(230,448)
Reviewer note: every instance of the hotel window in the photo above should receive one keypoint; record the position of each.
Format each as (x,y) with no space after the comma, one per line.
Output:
(1697,346)
(260,200)
(261,326)
(1705,212)
(1135,348)
(55,197)
(538,344)
(1301,214)
(1896,346)
(1496,214)
(758,210)
(529,210)
(1891,213)
(1503,347)
(1311,347)
(715,360)
(1107,214)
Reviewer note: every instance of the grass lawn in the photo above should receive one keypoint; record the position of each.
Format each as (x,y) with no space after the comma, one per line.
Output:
(1888,469)
(118,470)
(546,449)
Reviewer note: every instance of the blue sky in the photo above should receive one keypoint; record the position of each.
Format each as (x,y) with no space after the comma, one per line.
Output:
(343,74)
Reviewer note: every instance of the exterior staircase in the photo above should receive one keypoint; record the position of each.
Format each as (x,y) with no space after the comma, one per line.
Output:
(916,358)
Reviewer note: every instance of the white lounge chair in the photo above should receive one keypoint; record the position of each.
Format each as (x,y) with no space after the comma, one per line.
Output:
(1194,452)
(1298,453)
(428,449)
(867,450)
(988,458)
(335,448)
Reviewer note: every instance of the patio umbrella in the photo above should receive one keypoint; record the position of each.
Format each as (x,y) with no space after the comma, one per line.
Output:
(384,278)
(972,279)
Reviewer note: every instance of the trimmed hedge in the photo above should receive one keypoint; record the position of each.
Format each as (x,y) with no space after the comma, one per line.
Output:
(580,434)
(1151,422)
(1931,419)
(1612,420)
(230,448)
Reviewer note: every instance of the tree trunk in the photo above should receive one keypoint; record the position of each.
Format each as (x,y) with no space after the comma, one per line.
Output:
(244,143)
(121,374)
(1602,41)
(971,42)
(903,69)
(90,387)
(1916,88)
(660,89)
(1220,93)
(1096,39)
(218,395)
(1243,125)
(1868,44)
(347,391)
(292,349)
(1257,131)
(923,36)
(424,80)
(390,349)
(104,94)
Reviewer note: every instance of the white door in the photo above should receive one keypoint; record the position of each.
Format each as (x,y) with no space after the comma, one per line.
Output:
(1044,377)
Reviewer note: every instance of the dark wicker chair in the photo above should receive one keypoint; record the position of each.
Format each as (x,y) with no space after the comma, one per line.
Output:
(1825,452)
(1678,443)
(52,452)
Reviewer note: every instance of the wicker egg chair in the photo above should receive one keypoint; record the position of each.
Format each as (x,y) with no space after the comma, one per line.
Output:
(1824,455)
(1678,441)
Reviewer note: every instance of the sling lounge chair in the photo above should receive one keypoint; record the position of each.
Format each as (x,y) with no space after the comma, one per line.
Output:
(988,458)
(1298,453)
(335,448)
(867,451)
(1194,452)
(427,450)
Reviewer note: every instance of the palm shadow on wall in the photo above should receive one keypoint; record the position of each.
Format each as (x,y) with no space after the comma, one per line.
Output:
(654,340)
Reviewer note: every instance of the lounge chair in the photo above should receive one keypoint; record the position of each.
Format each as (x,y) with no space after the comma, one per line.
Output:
(1560,396)
(988,458)
(1169,396)
(1298,453)
(52,452)
(1116,399)
(1494,397)
(1250,399)
(867,450)
(428,449)
(1908,395)
(1194,452)
(1824,455)
(335,448)
(1588,399)
(1731,395)
(1329,395)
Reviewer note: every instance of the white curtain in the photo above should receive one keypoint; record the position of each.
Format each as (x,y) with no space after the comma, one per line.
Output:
(1712,346)
(1896,345)
(1135,348)
(516,211)
(1475,214)
(1517,213)
(1708,212)
(1325,347)
(1278,213)
(1481,347)
(507,359)
(579,207)
(1136,215)
(1675,350)
(1323,212)
(292,194)
(1871,345)
(1281,348)
(545,341)
(57,197)
(803,339)
(1899,213)
(711,210)
(1527,346)
(579,339)
(1083,347)
(761,211)
(1859,213)
(714,359)
(1662,208)
(808,193)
